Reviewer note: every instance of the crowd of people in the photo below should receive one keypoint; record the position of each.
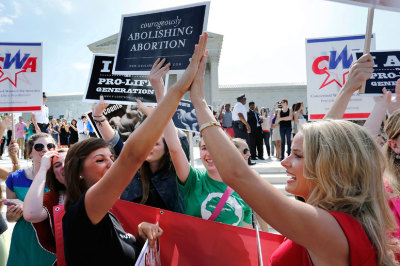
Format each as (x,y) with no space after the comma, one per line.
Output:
(273,127)
(349,184)
(63,132)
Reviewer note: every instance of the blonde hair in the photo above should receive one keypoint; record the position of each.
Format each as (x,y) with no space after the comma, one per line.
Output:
(346,166)
(392,130)
(238,142)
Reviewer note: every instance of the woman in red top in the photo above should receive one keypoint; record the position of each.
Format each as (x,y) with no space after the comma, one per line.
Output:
(337,167)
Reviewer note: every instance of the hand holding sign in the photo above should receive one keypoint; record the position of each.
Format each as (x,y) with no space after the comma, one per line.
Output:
(149,231)
(360,71)
(13,148)
(99,107)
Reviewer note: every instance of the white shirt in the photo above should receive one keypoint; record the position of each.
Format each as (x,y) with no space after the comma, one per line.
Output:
(239,108)
(42,116)
(82,127)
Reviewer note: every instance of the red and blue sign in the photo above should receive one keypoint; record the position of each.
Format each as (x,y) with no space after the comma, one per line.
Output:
(20,76)
(328,64)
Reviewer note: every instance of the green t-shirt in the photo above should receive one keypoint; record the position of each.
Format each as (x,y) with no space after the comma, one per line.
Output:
(202,194)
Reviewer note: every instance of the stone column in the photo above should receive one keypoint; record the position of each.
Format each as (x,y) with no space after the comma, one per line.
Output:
(213,81)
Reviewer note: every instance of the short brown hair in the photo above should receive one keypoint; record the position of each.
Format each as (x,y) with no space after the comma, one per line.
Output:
(284,100)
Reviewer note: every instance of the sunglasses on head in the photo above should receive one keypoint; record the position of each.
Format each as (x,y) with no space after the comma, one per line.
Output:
(245,151)
(40,146)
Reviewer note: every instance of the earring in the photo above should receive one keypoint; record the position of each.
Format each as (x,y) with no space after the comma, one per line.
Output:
(80,177)
(397,156)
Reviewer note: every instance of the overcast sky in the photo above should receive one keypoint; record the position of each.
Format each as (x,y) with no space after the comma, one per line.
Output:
(264,41)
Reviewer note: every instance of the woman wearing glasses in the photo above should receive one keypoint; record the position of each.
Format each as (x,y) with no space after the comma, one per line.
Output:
(242,146)
(25,249)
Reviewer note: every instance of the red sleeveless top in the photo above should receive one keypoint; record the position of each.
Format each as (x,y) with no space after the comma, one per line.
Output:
(361,250)
(45,229)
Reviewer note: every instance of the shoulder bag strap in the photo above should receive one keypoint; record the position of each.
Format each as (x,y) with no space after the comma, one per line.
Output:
(221,203)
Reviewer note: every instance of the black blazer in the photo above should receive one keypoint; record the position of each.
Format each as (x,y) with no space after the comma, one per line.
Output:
(252,120)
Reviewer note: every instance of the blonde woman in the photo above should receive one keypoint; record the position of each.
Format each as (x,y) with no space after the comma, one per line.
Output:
(337,167)
(392,153)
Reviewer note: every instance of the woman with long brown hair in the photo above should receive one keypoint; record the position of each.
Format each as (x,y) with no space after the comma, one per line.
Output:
(95,182)
(154,184)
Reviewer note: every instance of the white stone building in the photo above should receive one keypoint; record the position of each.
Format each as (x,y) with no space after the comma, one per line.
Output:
(264,95)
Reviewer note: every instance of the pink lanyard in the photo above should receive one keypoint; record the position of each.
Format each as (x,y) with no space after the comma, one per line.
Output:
(221,203)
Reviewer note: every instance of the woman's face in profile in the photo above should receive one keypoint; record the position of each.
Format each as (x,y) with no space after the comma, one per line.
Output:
(297,184)
(157,152)
(58,167)
(96,165)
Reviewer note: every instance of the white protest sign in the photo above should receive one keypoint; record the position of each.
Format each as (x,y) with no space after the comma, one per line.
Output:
(20,77)
(328,63)
(391,5)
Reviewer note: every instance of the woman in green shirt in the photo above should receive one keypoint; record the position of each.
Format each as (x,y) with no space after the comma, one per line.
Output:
(203,189)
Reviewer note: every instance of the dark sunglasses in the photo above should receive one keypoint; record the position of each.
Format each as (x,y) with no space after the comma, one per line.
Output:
(245,151)
(40,146)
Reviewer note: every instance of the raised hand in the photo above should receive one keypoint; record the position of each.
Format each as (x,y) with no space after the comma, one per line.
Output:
(6,122)
(13,148)
(186,80)
(360,71)
(155,77)
(394,104)
(47,158)
(158,71)
(143,108)
(197,87)
(99,107)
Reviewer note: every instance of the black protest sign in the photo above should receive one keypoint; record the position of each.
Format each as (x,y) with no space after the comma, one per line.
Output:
(386,71)
(169,33)
(185,117)
(117,89)
(123,118)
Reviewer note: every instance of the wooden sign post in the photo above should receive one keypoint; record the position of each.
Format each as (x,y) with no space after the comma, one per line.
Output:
(367,43)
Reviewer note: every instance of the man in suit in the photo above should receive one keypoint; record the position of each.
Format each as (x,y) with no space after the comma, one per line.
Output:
(255,135)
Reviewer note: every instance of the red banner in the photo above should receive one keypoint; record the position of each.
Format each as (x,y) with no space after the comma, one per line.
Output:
(188,240)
